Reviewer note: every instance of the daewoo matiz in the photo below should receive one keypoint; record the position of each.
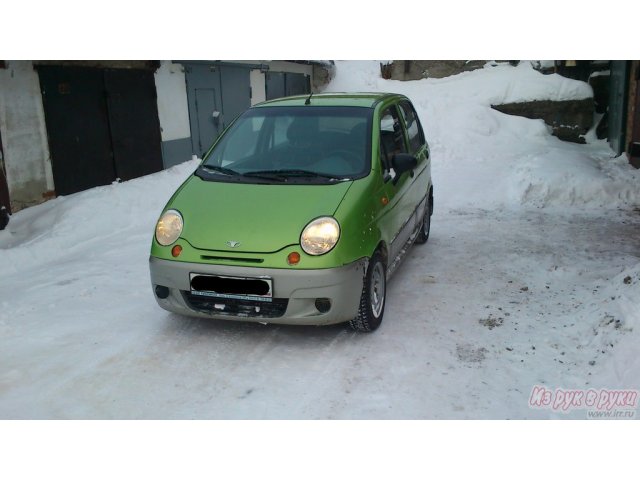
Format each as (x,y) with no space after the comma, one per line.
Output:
(298,214)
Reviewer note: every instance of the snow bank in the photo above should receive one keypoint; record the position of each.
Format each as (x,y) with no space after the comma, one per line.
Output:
(484,158)
(572,178)
(495,84)
(76,224)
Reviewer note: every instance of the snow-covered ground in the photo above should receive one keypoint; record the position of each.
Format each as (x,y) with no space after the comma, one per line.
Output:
(531,277)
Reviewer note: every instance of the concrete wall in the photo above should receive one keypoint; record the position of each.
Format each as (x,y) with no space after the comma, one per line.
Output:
(173,112)
(570,120)
(418,69)
(258,81)
(322,75)
(26,151)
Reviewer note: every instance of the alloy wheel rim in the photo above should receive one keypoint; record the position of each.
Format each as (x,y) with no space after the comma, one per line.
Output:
(377,289)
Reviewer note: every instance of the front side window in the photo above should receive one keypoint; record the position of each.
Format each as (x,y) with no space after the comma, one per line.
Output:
(298,144)
(391,136)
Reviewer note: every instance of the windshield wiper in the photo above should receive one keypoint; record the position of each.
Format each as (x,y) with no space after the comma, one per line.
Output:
(284,173)
(266,175)
(217,169)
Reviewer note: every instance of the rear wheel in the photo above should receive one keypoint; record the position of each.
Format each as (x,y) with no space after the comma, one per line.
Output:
(425,228)
(373,297)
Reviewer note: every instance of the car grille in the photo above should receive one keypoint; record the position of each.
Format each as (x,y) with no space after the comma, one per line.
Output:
(235,307)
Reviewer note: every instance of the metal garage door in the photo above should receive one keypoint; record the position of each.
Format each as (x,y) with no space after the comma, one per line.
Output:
(102,124)
(280,84)
(133,122)
(217,94)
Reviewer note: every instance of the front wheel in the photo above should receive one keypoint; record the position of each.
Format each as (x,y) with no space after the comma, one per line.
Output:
(373,297)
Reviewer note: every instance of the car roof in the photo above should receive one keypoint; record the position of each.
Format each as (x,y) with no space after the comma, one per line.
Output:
(337,99)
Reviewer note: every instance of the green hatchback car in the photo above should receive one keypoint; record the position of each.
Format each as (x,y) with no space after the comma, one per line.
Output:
(298,214)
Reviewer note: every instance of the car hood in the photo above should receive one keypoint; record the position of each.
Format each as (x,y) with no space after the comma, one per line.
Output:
(259,218)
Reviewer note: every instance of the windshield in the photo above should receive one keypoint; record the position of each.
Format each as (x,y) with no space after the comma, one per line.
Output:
(293,144)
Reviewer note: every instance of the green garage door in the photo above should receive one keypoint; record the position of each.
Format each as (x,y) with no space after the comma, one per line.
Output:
(279,84)
(617,105)
(217,94)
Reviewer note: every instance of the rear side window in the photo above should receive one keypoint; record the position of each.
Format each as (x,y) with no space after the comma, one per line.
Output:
(414,129)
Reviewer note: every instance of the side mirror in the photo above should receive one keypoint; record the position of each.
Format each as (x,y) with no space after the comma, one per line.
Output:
(403,162)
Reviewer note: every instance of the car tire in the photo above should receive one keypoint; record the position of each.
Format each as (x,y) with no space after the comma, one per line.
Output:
(372,300)
(425,227)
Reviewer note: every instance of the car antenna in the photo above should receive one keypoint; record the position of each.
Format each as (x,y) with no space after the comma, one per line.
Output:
(308,100)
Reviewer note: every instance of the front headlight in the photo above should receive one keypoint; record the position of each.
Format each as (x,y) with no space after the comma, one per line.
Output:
(320,236)
(169,227)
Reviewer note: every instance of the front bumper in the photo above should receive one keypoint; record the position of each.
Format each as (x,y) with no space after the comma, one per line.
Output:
(294,292)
